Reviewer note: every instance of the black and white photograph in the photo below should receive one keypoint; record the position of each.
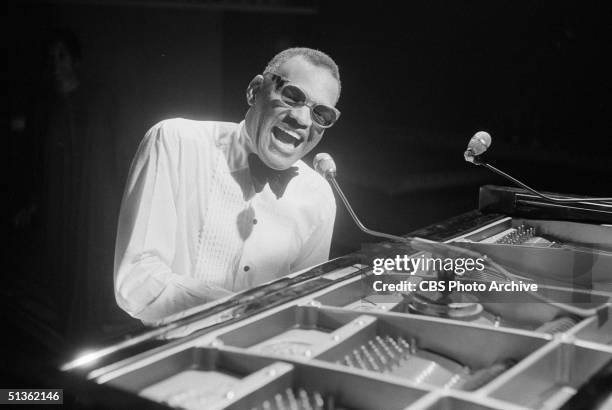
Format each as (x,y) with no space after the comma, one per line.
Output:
(307,204)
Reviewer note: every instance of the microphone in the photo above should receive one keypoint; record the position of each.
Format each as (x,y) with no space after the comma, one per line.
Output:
(324,164)
(481,141)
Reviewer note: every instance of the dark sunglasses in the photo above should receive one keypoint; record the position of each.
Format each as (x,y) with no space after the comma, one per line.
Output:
(293,96)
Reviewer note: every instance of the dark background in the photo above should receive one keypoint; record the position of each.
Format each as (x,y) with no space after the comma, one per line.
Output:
(418,81)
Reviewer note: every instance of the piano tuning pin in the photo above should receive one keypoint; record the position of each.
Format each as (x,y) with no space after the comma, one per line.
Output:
(373,364)
(359,360)
(411,347)
(385,346)
(380,354)
(377,352)
(370,359)
(348,361)
(395,346)
(293,404)
(266,405)
(318,401)
(278,401)
(304,400)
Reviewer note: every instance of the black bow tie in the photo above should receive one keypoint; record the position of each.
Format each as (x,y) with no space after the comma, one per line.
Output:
(261,174)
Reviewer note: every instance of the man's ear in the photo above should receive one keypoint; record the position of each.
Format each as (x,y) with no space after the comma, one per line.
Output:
(253,88)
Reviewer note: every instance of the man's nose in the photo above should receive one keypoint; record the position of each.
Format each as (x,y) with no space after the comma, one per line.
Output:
(301,116)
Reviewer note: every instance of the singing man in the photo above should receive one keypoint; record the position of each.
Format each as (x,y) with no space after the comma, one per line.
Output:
(213,208)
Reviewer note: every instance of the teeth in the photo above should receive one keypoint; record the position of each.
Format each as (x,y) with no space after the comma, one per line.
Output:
(291,133)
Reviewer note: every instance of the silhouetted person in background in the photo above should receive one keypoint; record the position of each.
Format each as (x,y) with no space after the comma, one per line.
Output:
(75,192)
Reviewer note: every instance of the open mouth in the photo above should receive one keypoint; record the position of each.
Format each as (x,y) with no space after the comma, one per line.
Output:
(288,137)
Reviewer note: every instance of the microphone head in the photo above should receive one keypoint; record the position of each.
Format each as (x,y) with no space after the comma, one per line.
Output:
(480,142)
(324,164)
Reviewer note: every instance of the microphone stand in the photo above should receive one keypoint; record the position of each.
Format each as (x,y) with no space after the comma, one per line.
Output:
(361,226)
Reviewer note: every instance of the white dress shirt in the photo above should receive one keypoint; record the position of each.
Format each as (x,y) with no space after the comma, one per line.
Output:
(192,229)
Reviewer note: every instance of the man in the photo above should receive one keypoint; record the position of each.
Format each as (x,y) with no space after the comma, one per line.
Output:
(74,193)
(213,208)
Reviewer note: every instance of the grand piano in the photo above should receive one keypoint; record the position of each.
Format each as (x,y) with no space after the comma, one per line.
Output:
(325,339)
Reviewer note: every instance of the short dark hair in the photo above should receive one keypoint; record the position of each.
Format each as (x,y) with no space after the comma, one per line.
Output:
(315,57)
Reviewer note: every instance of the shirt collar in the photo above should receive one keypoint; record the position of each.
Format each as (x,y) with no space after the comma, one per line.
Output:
(239,149)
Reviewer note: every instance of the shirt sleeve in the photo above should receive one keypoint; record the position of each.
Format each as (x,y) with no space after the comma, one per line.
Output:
(316,248)
(145,285)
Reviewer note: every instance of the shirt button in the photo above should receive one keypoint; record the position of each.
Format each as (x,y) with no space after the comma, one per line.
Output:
(254,221)
(246,268)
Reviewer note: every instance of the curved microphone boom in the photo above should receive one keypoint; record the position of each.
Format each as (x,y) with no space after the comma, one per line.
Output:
(481,141)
